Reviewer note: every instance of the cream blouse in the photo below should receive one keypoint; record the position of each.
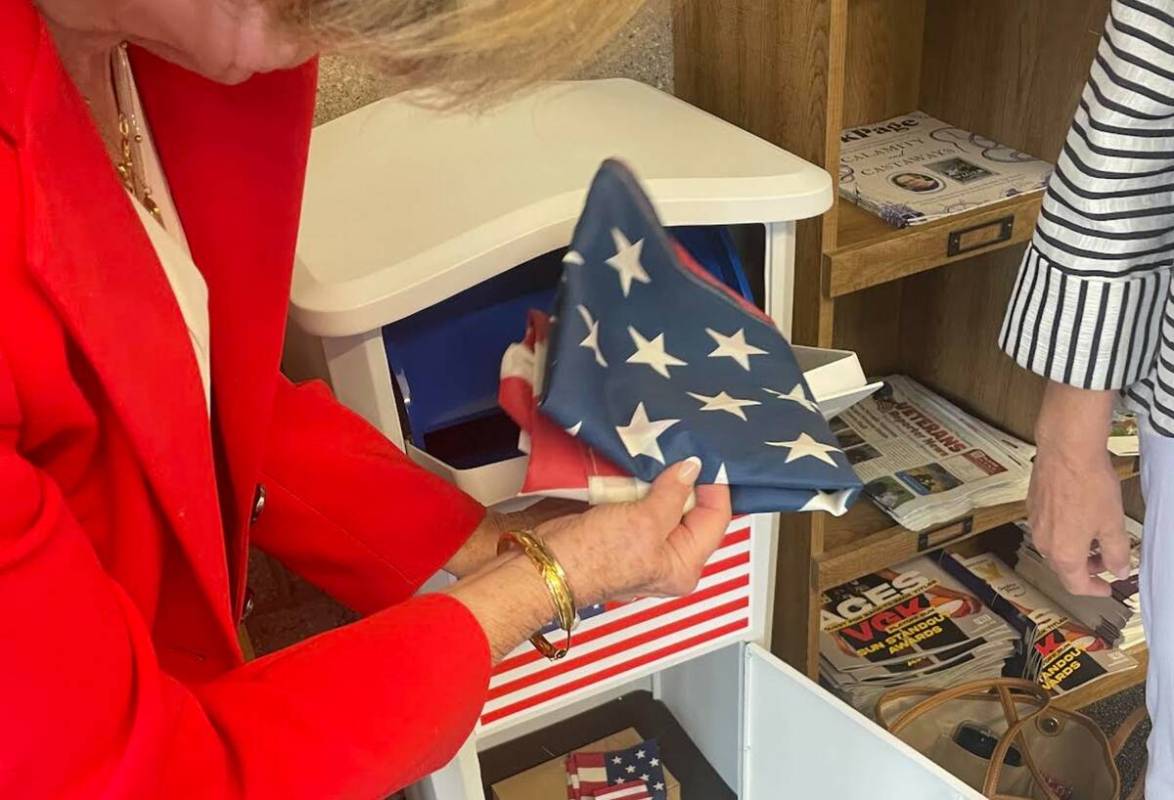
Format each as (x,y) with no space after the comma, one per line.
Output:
(171,247)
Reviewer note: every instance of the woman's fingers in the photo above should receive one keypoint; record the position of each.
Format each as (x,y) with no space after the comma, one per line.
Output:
(666,500)
(709,519)
(1115,549)
(1070,558)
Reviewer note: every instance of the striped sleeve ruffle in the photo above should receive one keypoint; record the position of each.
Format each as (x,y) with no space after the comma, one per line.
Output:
(1089,332)
(1087,306)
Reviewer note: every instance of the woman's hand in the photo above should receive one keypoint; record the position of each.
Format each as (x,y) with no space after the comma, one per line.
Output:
(649,547)
(1074,503)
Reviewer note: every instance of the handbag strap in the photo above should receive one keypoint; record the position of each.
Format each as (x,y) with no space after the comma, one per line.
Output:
(1121,738)
(974,690)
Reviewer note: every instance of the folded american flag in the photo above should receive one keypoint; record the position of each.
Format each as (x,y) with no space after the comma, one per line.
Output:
(647,361)
(632,774)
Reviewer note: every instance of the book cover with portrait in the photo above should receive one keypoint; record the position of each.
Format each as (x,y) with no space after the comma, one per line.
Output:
(912,169)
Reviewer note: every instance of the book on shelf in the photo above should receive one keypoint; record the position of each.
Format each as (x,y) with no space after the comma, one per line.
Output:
(913,168)
(924,460)
(912,624)
(1116,618)
(1061,653)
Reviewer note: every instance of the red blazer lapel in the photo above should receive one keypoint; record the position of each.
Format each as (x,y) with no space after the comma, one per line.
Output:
(88,250)
(235,159)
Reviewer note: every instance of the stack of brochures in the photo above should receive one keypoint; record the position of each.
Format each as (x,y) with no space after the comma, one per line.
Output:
(1117,618)
(1062,654)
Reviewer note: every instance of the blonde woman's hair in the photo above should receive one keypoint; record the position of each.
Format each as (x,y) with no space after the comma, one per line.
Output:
(474,51)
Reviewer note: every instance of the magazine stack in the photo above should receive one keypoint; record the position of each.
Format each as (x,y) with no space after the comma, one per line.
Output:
(924,460)
(912,624)
(1063,654)
(1117,618)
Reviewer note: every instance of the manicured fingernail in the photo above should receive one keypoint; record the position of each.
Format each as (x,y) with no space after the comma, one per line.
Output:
(690,469)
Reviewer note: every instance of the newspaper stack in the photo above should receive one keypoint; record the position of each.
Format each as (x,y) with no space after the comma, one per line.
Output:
(1116,619)
(913,168)
(1064,654)
(910,624)
(924,460)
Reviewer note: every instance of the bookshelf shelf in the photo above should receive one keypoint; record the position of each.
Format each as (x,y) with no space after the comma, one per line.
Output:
(870,252)
(866,539)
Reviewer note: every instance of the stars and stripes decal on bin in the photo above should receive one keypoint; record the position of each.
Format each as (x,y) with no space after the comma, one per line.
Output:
(648,360)
(635,773)
(621,641)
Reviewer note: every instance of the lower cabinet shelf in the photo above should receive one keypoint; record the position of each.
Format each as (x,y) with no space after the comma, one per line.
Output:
(639,710)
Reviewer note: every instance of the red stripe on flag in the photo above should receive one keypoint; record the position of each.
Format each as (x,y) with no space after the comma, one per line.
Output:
(563,667)
(609,628)
(618,669)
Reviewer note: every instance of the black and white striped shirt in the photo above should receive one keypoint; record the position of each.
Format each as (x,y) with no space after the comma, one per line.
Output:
(1092,304)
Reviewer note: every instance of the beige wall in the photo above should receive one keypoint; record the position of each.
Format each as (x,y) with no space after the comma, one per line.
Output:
(287,610)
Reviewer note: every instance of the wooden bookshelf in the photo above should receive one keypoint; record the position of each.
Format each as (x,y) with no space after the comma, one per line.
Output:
(870,252)
(797,74)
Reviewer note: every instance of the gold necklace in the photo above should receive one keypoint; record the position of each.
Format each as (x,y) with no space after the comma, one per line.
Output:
(130,167)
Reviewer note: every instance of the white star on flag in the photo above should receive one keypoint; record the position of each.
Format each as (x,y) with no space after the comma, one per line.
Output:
(574,258)
(796,395)
(619,780)
(617,760)
(574,429)
(645,777)
(807,447)
(723,402)
(626,261)
(592,340)
(831,502)
(639,436)
(652,353)
(640,754)
(656,761)
(630,768)
(735,347)
(721,480)
(659,787)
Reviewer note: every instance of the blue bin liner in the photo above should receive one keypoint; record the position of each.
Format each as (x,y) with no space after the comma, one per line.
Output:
(446,359)
(713,248)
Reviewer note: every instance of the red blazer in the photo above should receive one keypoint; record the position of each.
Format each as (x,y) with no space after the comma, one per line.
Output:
(124,514)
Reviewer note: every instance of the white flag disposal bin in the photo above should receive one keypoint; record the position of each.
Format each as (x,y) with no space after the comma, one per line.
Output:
(421,229)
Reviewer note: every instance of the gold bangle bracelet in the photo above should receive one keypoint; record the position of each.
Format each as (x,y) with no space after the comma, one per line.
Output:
(566,612)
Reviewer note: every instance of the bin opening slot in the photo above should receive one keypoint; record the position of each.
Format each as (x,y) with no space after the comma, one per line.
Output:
(445,360)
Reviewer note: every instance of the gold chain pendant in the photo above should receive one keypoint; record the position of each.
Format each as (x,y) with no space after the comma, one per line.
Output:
(132,139)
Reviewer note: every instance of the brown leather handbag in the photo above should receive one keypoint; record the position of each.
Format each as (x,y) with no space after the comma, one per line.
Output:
(1040,751)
